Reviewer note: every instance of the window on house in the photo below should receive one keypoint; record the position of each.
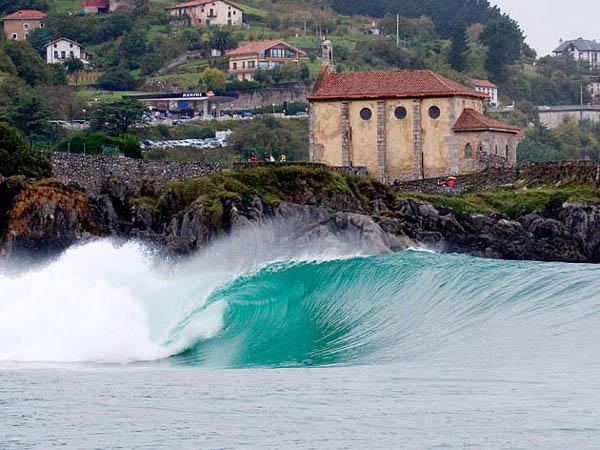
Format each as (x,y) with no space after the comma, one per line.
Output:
(15,36)
(366,114)
(234,66)
(71,55)
(506,152)
(434,112)
(229,22)
(400,113)
(26,26)
(56,54)
(63,55)
(468,151)
(251,64)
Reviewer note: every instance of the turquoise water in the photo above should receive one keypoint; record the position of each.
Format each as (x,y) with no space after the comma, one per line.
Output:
(324,348)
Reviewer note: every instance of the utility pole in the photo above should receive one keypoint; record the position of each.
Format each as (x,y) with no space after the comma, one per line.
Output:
(581,102)
(397,30)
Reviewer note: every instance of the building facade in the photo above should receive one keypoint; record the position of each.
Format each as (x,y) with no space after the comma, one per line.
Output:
(60,50)
(18,25)
(263,55)
(489,89)
(406,125)
(581,50)
(96,6)
(554,116)
(207,13)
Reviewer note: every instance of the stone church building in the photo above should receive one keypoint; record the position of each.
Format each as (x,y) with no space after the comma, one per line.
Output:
(406,125)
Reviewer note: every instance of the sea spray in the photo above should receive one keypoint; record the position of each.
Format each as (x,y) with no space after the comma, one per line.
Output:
(249,302)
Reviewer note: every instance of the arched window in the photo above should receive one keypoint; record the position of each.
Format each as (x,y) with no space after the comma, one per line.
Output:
(366,114)
(468,151)
(506,154)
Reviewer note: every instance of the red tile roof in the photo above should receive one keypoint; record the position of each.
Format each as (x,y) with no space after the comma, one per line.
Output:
(402,84)
(25,14)
(484,84)
(471,120)
(195,3)
(96,3)
(261,46)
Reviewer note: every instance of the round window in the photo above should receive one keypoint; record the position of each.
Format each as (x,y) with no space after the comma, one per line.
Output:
(366,114)
(434,112)
(400,113)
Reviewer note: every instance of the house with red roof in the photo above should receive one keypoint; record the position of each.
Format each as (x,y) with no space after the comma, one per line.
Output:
(406,125)
(262,55)
(488,88)
(96,6)
(19,24)
(206,13)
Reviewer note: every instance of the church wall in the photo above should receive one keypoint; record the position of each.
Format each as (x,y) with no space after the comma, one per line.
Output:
(326,133)
(399,137)
(363,135)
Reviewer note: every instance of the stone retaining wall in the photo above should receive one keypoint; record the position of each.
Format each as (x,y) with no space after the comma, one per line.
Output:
(579,172)
(93,172)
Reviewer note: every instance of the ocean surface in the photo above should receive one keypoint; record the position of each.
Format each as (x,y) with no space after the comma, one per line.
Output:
(253,346)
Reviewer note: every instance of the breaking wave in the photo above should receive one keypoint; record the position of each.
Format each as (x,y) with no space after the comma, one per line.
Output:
(239,306)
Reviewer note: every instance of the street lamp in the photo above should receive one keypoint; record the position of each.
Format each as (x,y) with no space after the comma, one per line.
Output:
(273,108)
(84,116)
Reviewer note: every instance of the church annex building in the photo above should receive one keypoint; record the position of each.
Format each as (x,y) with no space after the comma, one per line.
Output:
(406,125)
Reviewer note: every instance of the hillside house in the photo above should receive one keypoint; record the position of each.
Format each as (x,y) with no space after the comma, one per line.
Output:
(406,125)
(207,12)
(61,50)
(264,55)
(19,24)
(581,50)
(96,6)
(488,88)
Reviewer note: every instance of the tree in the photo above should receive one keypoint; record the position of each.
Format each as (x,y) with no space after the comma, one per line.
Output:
(8,6)
(30,66)
(118,117)
(30,115)
(212,78)
(38,39)
(118,79)
(133,47)
(73,66)
(17,157)
(222,40)
(459,48)
(504,40)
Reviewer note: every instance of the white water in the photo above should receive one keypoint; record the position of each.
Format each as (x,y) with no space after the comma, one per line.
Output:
(93,304)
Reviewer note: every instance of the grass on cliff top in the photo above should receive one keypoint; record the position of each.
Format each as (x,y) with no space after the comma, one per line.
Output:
(512,203)
(296,184)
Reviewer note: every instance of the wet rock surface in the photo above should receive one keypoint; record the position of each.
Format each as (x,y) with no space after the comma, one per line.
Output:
(47,217)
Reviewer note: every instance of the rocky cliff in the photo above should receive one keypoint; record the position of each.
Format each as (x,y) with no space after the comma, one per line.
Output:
(48,216)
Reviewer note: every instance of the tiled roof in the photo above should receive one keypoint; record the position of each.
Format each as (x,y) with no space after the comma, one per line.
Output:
(96,3)
(261,46)
(484,84)
(62,39)
(25,14)
(402,84)
(582,45)
(195,3)
(471,120)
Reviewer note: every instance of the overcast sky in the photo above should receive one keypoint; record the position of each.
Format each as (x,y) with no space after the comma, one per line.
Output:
(546,21)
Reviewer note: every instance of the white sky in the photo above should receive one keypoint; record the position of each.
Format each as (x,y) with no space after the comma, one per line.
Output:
(546,21)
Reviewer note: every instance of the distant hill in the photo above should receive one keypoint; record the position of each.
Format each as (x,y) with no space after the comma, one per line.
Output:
(446,14)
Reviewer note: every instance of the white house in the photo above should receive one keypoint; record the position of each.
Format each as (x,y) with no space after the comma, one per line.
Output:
(60,50)
(581,50)
(207,12)
(488,88)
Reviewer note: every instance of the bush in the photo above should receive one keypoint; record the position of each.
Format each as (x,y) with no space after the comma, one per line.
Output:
(99,143)
(17,157)
(118,79)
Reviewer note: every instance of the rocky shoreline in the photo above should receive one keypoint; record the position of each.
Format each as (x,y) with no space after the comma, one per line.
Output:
(46,217)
